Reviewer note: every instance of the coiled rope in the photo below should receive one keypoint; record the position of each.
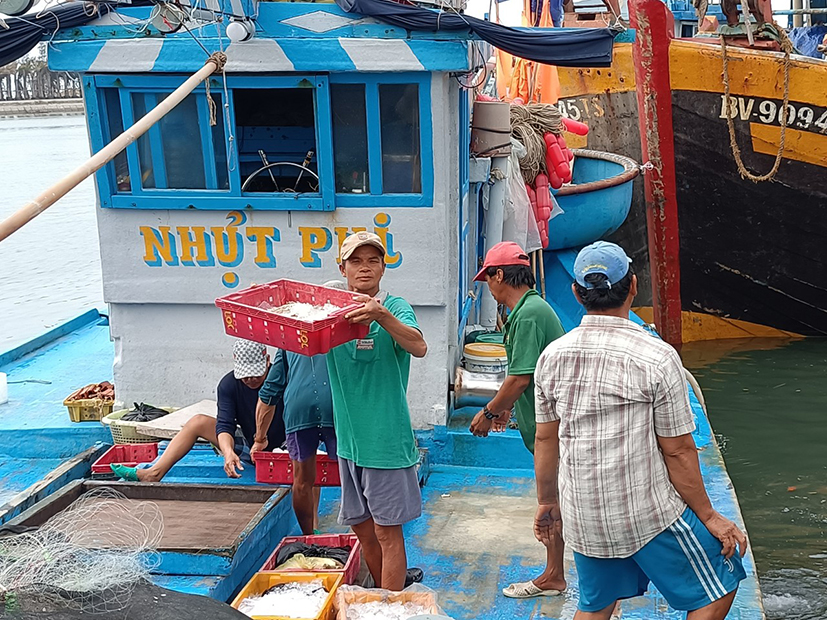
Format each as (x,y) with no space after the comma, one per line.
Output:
(528,124)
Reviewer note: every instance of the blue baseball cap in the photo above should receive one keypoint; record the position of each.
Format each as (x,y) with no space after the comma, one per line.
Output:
(601,257)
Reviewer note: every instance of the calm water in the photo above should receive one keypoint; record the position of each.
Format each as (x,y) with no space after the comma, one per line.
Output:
(768,403)
(50,269)
(769,409)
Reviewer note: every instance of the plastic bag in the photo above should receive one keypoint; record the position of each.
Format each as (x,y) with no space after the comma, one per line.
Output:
(417,595)
(144,413)
(519,224)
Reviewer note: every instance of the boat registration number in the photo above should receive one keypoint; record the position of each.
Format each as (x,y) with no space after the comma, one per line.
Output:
(580,108)
(767,111)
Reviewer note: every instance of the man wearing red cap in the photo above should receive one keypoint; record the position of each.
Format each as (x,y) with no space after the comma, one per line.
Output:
(530,327)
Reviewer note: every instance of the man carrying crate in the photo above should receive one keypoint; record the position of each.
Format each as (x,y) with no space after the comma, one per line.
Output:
(377,449)
(304,385)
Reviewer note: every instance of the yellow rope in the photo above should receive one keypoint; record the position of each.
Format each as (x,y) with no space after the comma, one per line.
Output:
(787,47)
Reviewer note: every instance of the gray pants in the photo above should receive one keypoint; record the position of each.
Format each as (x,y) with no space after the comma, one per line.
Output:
(389,496)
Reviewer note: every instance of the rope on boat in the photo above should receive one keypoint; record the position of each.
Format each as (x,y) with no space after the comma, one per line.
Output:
(787,48)
(44,200)
(528,124)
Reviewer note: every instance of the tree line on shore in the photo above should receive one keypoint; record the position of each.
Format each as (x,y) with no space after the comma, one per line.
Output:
(30,78)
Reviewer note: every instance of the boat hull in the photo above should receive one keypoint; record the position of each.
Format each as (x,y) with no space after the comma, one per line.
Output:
(750,254)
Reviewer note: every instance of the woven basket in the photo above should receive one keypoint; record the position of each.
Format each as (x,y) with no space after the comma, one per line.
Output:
(126,431)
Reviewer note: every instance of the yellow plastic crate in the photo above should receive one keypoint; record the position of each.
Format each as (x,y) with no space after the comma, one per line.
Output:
(88,409)
(124,432)
(261,582)
(346,597)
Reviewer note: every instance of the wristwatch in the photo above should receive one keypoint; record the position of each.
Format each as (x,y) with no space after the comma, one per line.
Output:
(487,413)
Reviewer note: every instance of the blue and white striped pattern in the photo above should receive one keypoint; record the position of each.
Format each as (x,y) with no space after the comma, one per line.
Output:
(698,559)
(261,55)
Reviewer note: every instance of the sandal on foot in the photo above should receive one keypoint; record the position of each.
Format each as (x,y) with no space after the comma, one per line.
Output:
(527,589)
(413,575)
(130,474)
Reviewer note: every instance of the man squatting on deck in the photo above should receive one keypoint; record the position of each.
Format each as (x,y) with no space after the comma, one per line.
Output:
(613,414)
(530,327)
(302,383)
(237,399)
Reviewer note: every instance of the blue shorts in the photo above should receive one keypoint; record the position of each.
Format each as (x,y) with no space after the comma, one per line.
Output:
(684,562)
(303,444)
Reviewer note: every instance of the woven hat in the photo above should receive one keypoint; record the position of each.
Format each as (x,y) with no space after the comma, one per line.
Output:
(250,359)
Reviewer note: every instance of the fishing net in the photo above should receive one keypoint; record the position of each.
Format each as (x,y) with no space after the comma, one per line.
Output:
(88,557)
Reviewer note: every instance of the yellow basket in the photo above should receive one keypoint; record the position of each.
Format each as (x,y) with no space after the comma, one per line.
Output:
(88,409)
(346,597)
(125,432)
(261,582)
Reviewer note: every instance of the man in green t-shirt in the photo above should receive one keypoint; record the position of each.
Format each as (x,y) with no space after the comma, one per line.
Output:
(377,449)
(530,327)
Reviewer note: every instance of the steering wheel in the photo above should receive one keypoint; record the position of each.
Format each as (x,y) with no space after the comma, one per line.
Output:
(302,170)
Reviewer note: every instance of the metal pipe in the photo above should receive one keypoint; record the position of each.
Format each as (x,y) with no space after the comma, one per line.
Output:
(55,192)
(798,20)
(812,11)
(494,230)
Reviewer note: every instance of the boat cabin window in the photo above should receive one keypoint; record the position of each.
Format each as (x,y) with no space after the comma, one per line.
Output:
(278,142)
(276,137)
(401,163)
(350,138)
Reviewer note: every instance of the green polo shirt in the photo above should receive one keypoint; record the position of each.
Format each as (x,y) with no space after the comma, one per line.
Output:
(530,327)
(369,381)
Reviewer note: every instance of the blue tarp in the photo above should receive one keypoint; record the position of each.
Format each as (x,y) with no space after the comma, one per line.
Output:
(807,39)
(576,47)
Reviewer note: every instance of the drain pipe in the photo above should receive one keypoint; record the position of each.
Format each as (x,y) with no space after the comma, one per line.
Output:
(497,196)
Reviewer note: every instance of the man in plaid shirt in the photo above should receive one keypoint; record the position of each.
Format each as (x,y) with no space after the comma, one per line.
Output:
(613,413)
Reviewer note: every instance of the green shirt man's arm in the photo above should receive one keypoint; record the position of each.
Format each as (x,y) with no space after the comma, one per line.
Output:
(406,336)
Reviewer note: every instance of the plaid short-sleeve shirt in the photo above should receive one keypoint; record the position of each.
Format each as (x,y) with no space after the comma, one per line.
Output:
(615,389)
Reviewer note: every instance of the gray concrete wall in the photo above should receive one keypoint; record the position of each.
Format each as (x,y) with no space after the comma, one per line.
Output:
(41,107)
(170,344)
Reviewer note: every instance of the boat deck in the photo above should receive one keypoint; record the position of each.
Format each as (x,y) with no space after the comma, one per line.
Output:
(473,539)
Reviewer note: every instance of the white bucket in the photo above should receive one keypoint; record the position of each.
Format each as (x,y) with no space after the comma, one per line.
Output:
(488,358)
(4,389)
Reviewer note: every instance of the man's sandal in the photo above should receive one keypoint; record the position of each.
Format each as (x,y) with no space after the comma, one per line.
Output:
(527,589)
(129,474)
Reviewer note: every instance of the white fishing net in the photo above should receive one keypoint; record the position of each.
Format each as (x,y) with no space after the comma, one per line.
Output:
(89,556)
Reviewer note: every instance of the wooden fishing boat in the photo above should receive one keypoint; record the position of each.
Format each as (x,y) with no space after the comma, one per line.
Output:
(751,261)
(323,123)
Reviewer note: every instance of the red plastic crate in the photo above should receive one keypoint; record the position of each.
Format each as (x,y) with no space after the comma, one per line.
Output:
(125,454)
(277,468)
(350,570)
(244,318)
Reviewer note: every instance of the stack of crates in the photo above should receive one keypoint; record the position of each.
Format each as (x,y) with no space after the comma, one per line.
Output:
(268,576)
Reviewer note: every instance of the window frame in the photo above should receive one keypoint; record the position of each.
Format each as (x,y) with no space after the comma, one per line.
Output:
(228,199)
(376,198)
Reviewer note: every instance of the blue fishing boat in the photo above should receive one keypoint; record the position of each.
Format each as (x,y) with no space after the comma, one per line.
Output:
(310,123)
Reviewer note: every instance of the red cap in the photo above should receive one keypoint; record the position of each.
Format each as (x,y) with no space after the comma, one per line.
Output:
(502,254)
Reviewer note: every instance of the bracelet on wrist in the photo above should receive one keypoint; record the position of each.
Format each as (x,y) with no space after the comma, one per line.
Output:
(487,413)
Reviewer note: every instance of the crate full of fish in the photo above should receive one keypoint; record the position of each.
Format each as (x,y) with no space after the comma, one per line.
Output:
(294,316)
(340,553)
(355,603)
(91,403)
(293,596)
(276,468)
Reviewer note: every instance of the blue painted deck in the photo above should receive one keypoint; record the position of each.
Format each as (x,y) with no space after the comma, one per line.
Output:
(37,440)
(474,537)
